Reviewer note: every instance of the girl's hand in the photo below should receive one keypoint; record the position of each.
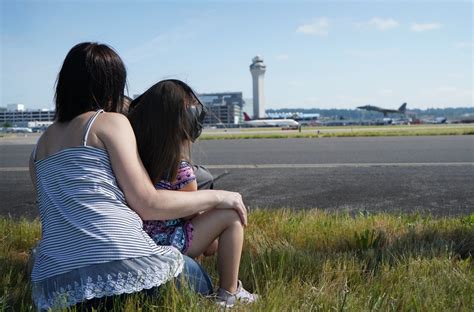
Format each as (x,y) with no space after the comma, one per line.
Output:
(232,200)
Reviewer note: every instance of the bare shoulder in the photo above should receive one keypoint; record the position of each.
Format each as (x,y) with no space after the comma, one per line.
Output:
(51,131)
(114,118)
(49,135)
(115,129)
(114,122)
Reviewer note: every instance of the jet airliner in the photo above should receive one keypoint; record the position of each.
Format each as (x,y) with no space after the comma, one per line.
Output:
(269,122)
(385,111)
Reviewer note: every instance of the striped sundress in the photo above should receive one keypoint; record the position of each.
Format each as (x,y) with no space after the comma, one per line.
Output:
(92,244)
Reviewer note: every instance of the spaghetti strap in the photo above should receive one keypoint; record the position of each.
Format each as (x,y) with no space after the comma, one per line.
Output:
(89,125)
(33,154)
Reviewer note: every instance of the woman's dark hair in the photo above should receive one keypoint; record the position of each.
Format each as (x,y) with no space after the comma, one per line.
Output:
(163,128)
(92,76)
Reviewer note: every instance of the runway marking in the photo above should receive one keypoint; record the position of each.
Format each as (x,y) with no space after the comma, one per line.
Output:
(305,166)
(14,169)
(337,165)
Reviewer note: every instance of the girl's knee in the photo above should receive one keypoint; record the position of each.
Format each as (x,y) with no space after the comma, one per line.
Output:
(232,217)
(225,214)
(224,218)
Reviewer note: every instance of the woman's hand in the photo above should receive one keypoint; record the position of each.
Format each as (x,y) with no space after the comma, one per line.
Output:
(232,200)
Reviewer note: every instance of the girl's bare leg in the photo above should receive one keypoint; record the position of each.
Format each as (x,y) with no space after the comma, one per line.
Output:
(212,248)
(223,224)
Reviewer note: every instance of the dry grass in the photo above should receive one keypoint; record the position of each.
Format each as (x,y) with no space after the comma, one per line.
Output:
(325,132)
(310,261)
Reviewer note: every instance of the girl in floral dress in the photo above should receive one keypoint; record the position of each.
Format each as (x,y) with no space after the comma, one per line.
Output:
(167,119)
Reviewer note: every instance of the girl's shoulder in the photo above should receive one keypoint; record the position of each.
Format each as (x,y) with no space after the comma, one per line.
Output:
(183,164)
(185,176)
(185,172)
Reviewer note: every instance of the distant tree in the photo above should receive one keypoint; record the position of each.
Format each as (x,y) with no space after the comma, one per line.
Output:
(451,113)
(6,124)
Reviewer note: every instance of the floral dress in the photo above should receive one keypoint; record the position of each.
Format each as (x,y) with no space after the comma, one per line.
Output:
(174,232)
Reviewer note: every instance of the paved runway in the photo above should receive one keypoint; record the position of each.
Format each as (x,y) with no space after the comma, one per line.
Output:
(431,174)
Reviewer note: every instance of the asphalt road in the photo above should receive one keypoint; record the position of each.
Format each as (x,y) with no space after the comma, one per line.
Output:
(433,174)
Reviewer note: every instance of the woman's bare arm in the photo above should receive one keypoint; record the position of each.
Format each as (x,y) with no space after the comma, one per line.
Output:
(117,135)
(190,187)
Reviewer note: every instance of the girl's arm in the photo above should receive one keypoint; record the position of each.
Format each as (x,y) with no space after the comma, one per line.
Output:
(185,176)
(189,187)
(115,132)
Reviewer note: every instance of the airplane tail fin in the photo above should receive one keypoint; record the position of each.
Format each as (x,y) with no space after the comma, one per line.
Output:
(246,117)
(403,108)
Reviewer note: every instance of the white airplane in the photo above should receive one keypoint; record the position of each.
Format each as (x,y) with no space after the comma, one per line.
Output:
(437,120)
(268,122)
(19,130)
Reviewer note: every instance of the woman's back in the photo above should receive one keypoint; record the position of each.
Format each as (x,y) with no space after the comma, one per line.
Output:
(64,135)
(86,221)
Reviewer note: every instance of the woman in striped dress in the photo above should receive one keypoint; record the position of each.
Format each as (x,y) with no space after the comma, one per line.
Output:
(87,175)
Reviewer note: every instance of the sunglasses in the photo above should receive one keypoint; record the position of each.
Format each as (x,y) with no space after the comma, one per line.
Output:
(196,115)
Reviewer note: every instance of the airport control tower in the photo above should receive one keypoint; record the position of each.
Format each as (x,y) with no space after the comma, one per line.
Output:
(257,68)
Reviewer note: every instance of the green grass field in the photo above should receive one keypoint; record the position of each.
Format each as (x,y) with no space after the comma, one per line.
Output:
(324,132)
(309,261)
(317,132)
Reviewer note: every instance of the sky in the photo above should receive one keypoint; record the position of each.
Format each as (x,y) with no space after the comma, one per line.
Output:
(319,54)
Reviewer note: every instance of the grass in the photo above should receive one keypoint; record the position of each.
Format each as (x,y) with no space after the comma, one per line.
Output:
(323,132)
(356,131)
(310,261)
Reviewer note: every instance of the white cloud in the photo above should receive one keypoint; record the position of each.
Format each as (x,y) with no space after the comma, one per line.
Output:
(312,100)
(160,43)
(425,27)
(389,52)
(444,96)
(385,92)
(294,83)
(282,57)
(365,53)
(168,39)
(346,99)
(383,24)
(447,89)
(464,45)
(318,27)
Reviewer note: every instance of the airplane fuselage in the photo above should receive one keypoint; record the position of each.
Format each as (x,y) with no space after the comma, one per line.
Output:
(385,111)
(19,130)
(378,109)
(272,123)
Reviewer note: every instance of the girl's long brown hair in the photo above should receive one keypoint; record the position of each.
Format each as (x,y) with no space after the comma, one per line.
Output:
(160,123)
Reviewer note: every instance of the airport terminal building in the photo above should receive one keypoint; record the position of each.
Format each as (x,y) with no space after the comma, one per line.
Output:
(224,109)
(16,115)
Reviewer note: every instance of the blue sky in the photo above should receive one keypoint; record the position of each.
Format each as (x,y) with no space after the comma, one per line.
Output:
(322,54)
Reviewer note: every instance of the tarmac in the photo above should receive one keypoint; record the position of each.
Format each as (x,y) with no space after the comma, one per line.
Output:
(428,175)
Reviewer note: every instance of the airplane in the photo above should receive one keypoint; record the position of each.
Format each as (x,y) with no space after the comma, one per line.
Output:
(307,119)
(437,120)
(385,111)
(268,122)
(19,130)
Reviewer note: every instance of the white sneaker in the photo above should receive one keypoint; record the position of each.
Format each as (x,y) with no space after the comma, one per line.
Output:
(228,299)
